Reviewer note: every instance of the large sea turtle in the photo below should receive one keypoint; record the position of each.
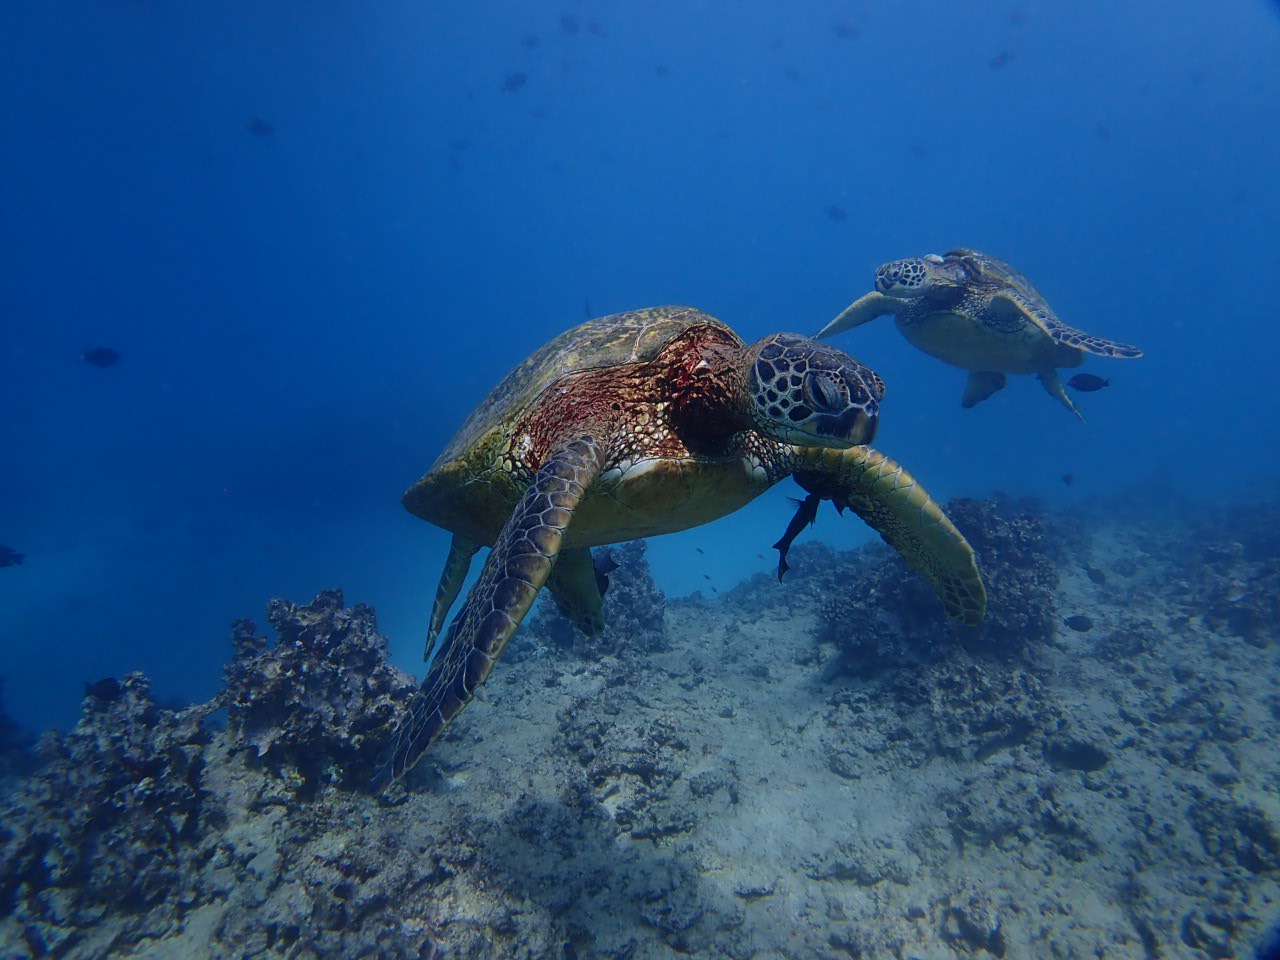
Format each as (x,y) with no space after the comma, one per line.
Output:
(977,313)
(639,424)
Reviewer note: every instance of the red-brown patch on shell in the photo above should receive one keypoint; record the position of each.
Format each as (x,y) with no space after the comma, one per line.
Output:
(681,404)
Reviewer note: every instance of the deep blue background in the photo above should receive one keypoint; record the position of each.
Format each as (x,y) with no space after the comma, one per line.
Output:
(305,316)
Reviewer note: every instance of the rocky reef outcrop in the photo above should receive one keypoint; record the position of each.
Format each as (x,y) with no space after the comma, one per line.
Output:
(824,769)
(878,614)
(315,705)
(110,826)
(141,815)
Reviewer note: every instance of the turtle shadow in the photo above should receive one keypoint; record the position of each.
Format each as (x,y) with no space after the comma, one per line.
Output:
(569,855)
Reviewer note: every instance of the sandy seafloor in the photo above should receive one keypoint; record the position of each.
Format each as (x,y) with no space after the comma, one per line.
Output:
(818,769)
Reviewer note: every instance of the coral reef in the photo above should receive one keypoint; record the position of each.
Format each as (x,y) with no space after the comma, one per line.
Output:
(108,827)
(631,775)
(819,769)
(1015,546)
(314,702)
(879,615)
(166,817)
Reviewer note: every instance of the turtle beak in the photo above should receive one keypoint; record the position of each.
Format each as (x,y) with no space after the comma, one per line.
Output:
(857,423)
(861,425)
(853,427)
(867,424)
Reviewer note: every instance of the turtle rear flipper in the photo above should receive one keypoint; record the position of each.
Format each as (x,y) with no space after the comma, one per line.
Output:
(461,550)
(891,502)
(1056,390)
(516,569)
(980,386)
(575,589)
(863,310)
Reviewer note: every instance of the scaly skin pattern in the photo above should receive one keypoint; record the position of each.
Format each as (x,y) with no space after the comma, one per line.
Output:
(515,571)
(991,278)
(893,503)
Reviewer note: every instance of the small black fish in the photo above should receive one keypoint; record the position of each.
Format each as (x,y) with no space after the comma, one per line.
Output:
(806,513)
(706,576)
(1096,575)
(1001,59)
(259,127)
(105,690)
(1079,623)
(836,212)
(603,563)
(699,549)
(1087,382)
(10,557)
(514,81)
(101,357)
(1068,478)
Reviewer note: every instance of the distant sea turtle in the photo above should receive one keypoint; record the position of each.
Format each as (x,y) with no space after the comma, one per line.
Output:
(640,424)
(977,313)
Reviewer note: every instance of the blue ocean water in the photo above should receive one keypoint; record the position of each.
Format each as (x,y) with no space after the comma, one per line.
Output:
(318,233)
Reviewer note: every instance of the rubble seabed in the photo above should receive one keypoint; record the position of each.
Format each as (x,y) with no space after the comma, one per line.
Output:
(821,769)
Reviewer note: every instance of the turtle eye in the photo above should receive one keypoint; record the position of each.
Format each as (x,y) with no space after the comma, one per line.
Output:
(823,395)
(885,279)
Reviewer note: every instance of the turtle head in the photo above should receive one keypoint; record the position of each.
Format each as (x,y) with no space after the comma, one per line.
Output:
(917,277)
(805,392)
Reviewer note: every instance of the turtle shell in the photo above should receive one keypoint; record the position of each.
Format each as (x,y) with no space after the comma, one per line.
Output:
(475,482)
(622,338)
(1000,273)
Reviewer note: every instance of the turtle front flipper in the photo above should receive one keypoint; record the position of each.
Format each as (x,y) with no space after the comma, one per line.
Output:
(863,310)
(576,592)
(892,503)
(1061,333)
(1054,386)
(516,569)
(1103,347)
(461,550)
(1101,344)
